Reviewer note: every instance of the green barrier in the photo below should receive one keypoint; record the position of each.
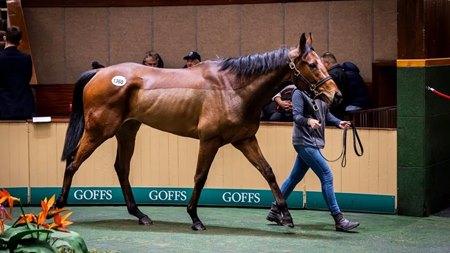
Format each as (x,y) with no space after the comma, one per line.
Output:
(166,196)
(354,202)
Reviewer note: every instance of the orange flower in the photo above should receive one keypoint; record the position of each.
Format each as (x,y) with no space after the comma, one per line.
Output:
(2,226)
(54,211)
(3,215)
(28,218)
(45,205)
(5,196)
(61,222)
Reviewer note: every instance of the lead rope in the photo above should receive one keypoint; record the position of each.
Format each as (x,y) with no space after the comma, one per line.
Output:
(343,155)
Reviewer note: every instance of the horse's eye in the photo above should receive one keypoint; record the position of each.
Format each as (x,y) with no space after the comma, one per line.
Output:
(312,65)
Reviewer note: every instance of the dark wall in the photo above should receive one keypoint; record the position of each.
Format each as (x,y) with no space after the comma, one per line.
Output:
(437,28)
(423,29)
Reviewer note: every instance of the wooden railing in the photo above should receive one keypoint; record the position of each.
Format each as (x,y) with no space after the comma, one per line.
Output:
(382,117)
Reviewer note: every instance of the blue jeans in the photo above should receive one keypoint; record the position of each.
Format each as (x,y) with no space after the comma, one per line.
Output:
(309,157)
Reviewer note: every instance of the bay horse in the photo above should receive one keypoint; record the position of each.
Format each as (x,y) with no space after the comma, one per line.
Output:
(217,102)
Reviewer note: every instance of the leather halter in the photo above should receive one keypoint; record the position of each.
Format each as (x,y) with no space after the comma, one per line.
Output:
(312,86)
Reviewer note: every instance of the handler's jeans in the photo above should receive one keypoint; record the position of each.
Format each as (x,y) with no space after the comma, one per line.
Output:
(310,157)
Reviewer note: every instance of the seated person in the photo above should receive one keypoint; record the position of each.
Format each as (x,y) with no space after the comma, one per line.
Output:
(337,73)
(192,58)
(280,107)
(153,59)
(347,78)
(357,92)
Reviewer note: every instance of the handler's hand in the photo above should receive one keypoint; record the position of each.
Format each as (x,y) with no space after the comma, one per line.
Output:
(314,123)
(344,124)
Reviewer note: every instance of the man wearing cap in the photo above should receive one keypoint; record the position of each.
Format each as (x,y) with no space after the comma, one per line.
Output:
(192,59)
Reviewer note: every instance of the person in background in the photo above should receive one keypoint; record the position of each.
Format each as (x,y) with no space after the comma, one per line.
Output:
(308,137)
(349,81)
(16,70)
(192,58)
(153,59)
(357,92)
(279,108)
(2,42)
(337,73)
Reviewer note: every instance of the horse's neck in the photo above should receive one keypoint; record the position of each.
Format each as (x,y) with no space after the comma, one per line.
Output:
(264,87)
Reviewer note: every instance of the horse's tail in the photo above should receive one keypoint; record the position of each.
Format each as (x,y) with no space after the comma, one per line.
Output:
(76,123)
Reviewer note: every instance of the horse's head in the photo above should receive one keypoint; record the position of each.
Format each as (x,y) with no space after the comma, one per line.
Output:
(310,75)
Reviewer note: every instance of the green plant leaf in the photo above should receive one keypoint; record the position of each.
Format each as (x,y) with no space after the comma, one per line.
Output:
(33,245)
(72,239)
(17,236)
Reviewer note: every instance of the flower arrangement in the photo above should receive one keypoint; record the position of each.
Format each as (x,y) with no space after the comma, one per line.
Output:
(32,233)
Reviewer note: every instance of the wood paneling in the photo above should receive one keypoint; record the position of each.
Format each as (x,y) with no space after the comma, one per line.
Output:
(423,29)
(165,160)
(384,76)
(14,160)
(410,29)
(437,27)
(53,99)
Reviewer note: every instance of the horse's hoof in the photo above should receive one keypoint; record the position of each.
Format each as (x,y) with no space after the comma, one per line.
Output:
(198,226)
(145,221)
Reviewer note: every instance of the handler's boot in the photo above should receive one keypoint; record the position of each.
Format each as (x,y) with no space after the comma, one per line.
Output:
(274,214)
(342,224)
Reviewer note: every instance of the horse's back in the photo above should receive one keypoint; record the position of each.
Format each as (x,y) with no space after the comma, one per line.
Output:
(172,100)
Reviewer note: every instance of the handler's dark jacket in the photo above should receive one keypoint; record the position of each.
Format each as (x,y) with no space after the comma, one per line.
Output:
(16,97)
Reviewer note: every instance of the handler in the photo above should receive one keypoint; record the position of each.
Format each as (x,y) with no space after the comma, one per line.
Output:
(308,138)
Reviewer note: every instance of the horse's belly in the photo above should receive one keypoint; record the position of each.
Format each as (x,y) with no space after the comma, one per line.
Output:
(174,116)
(171,125)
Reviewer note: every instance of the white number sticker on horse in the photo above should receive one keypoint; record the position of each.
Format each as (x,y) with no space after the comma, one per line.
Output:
(119,80)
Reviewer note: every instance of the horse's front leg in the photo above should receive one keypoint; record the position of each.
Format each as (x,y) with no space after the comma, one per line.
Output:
(207,152)
(250,148)
(126,137)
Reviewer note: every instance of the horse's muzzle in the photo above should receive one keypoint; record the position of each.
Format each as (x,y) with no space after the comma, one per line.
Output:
(337,99)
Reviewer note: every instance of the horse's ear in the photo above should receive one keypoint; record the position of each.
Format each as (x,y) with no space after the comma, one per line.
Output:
(309,41)
(302,44)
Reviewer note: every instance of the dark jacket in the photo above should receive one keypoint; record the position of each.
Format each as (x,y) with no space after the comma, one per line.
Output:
(356,91)
(337,73)
(16,97)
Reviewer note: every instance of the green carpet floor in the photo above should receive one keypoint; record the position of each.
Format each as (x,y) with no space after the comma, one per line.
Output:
(112,229)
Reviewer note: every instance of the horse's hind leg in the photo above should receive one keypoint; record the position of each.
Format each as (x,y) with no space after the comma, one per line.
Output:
(250,148)
(126,137)
(207,152)
(88,143)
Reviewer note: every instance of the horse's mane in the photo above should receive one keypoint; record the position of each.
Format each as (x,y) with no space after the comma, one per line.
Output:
(256,64)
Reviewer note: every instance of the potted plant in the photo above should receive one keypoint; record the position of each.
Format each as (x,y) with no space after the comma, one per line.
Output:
(34,233)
